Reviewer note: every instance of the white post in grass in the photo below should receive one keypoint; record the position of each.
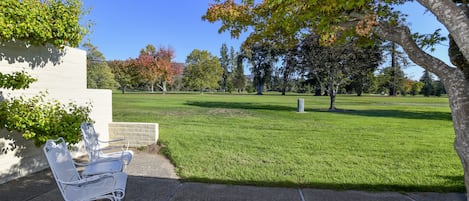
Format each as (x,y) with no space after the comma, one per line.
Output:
(301,105)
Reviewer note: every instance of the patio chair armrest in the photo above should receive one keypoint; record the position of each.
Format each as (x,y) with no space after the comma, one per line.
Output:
(94,162)
(87,179)
(81,164)
(115,140)
(110,148)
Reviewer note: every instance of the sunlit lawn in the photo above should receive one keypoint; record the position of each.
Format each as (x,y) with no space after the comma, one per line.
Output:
(373,143)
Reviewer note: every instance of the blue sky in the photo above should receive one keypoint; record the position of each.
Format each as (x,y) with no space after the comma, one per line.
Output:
(122,27)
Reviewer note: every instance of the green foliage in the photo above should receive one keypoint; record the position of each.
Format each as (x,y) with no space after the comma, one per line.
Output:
(203,70)
(287,20)
(416,88)
(225,63)
(426,41)
(262,58)
(16,80)
(391,80)
(123,73)
(239,79)
(40,120)
(98,74)
(250,88)
(427,81)
(39,22)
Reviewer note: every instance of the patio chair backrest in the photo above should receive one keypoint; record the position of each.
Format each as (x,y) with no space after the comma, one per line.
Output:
(60,162)
(90,138)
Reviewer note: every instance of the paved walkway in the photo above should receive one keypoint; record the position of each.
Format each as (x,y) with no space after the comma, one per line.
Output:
(151,177)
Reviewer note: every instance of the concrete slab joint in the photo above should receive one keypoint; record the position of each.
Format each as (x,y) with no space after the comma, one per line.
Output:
(134,134)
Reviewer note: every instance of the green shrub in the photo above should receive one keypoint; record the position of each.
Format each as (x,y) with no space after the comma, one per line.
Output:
(40,120)
(16,80)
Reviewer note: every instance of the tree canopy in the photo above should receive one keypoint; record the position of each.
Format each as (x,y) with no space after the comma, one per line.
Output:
(154,65)
(203,70)
(38,22)
(98,73)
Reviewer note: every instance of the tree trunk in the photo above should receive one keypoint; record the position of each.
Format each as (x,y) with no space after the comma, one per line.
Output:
(163,88)
(123,89)
(260,88)
(454,80)
(284,85)
(393,88)
(332,95)
(359,91)
(317,91)
(458,94)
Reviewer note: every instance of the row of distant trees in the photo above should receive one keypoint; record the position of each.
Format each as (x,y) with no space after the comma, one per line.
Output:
(153,70)
(306,68)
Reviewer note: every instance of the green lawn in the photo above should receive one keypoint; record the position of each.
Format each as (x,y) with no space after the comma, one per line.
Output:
(373,143)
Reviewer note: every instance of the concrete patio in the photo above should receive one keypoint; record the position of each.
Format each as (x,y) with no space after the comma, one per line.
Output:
(151,177)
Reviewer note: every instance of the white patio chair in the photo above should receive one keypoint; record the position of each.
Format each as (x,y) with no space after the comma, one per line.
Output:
(95,152)
(73,187)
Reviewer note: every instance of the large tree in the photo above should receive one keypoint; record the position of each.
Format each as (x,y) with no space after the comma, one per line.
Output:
(155,66)
(225,63)
(291,60)
(177,82)
(124,73)
(390,80)
(335,66)
(334,20)
(262,57)
(203,70)
(399,61)
(148,70)
(164,57)
(239,79)
(427,81)
(98,73)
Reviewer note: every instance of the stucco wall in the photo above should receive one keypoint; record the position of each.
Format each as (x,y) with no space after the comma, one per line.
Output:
(62,73)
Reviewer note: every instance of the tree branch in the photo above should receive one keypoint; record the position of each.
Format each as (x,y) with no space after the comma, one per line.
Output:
(454,19)
(402,36)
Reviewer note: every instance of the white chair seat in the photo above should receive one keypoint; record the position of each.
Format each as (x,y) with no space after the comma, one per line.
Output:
(101,167)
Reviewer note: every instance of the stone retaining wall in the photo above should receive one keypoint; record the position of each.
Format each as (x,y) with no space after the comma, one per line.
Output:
(134,134)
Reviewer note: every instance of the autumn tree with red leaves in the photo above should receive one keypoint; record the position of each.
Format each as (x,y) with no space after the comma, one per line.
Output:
(155,66)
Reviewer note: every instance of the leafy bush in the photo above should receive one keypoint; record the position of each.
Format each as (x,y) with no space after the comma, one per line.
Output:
(40,120)
(16,80)
(42,22)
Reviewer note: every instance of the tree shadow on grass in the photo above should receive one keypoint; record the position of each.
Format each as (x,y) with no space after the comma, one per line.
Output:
(238,105)
(430,115)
